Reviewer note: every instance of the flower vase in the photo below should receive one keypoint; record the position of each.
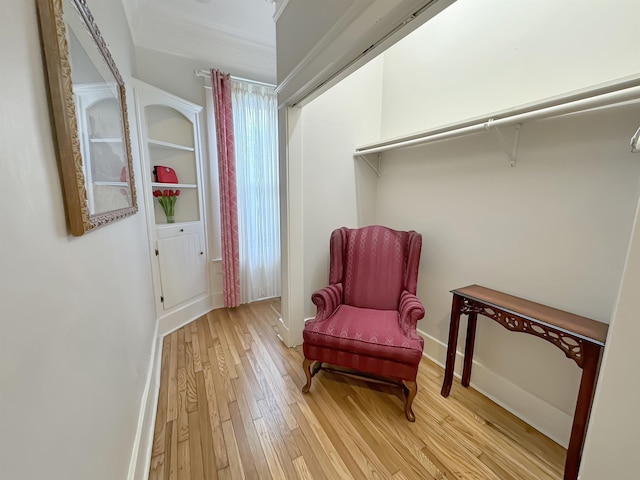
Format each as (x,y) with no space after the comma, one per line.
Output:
(171,219)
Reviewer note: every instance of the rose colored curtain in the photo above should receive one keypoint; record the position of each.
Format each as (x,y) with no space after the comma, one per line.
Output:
(221,87)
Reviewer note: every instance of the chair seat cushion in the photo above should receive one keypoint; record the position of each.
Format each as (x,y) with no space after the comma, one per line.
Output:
(375,333)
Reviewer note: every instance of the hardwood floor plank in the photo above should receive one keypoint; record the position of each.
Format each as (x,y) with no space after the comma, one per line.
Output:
(187,333)
(202,327)
(181,345)
(240,329)
(183,419)
(244,392)
(263,337)
(172,392)
(171,453)
(317,437)
(235,462)
(184,461)
(220,388)
(210,468)
(399,476)
(230,407)
(195,350)
(242,439)
(301,469)
(215,423)
(311,454)
(249,379)
(275,467)
(207,333)
(195,448)
(271,370)
(192,394)
(219,358)
(274,420)
(271,391)
(252,435)
(228,338)
(512,429)
(225,474)
(213,332)
(401,438)
(156,469)
(359,457)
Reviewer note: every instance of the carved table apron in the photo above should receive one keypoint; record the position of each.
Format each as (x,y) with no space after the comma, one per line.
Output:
(580,338)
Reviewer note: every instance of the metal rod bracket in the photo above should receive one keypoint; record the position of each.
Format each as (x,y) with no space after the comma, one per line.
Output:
(371,166)
(634,141)
(511,150)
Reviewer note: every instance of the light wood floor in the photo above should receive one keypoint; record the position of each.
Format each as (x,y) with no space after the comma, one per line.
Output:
(230,407)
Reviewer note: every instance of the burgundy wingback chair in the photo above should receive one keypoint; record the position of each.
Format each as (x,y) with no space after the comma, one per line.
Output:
(366,317)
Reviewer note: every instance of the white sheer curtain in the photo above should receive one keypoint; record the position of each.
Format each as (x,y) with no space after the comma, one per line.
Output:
(256,132)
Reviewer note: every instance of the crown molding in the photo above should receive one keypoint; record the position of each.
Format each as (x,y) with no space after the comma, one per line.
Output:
(172,18)
(263,68)
(203,43)
(168,30)
(280,6)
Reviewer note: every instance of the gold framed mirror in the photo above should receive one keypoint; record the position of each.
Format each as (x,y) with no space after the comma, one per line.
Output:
(89,109)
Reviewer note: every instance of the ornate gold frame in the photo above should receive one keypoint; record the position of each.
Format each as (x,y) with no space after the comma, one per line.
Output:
(56,52)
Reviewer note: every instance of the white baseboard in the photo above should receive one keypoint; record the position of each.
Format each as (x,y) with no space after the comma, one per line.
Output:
(141,451)
(179,318)
(544,417)
(217,300)
(283,333)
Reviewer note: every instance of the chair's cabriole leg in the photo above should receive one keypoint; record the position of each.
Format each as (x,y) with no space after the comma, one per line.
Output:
(412,389)
(306,366)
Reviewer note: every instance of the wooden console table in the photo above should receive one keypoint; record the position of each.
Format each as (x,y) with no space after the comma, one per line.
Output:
(581,339)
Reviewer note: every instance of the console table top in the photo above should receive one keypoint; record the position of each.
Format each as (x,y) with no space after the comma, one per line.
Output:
(570,323)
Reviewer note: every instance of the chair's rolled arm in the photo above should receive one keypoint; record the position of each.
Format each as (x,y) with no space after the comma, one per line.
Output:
(411,310)
(327,299)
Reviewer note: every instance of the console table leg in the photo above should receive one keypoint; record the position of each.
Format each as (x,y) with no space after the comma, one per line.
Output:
(451,348)
(468,349)
(591,357)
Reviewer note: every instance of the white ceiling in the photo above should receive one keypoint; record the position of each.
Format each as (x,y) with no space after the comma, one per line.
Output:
(221,32)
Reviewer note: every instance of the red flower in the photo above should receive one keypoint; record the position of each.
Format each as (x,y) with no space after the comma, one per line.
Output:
(167,200)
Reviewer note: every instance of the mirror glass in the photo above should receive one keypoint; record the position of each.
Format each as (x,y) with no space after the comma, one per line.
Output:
(101,132)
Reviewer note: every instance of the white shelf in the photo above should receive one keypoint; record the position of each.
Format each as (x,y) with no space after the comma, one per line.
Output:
(105,140)
(110,184)
(174,185)
(175,146)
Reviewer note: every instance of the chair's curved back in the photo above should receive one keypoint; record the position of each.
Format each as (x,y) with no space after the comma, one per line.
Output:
(374,264)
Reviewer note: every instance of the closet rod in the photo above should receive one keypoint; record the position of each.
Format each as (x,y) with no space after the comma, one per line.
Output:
(207,74)
(527,114)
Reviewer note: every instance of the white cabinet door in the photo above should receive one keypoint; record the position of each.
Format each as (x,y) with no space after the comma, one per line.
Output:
(183,270)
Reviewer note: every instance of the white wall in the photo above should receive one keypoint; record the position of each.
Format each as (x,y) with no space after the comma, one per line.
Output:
(555,228)
(77,319)
(612,439)
(172,73)
(333,124)
(479,57)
